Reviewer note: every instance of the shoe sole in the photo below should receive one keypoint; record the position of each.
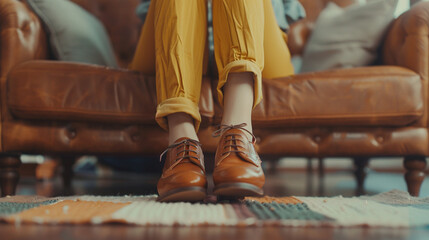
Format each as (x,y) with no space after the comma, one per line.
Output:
(185,194)
(237,190)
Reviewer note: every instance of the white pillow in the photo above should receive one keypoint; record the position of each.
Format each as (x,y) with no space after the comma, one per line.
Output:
(347,37)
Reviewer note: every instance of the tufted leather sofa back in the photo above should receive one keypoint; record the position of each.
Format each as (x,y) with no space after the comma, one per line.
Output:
(22,36)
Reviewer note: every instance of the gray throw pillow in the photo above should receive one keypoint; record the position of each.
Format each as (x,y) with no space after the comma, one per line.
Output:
(75,35)
(347,37)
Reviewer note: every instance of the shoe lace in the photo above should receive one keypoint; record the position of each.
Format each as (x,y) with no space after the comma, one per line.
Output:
(186,144)
(232,140)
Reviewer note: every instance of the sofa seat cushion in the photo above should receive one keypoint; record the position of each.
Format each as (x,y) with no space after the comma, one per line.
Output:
(53,90)
(368,96)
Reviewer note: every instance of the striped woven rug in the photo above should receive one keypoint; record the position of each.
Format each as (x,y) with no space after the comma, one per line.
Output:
(390,209)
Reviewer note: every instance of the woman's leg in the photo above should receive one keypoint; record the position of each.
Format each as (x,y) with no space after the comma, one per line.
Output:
(247,37)
(144,56)
(238,28)
(240,85)
(277,57)
(175,32)
(180,33)
(172,44)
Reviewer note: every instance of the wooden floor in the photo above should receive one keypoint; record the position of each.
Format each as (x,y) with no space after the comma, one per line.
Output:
(206,233)
(281,183)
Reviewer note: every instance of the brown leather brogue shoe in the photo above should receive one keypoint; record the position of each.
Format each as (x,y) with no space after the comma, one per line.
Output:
(238,170)
(183,176)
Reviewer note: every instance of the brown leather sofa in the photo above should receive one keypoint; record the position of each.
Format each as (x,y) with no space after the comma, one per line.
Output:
(68,109)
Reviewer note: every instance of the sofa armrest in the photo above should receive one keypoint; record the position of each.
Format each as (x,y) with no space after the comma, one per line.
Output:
(407,45)
(407,42)
(22,37)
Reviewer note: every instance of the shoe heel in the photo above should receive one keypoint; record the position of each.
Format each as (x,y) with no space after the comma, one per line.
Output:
(186,194)
(237,190)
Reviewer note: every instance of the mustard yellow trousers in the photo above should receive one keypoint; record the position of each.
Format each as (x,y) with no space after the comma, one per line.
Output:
(172,46)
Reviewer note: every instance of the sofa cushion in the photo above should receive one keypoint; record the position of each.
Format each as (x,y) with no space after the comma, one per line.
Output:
(53,90)
(368,96)
(74,34)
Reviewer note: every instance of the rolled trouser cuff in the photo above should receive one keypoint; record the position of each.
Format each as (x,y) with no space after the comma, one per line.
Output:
(242,66)
(176,105)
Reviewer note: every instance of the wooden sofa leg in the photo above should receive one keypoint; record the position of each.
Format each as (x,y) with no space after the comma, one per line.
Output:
(9,174)
(361,169)
(67,174)
(309,177)
(414,175)
(321,173)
